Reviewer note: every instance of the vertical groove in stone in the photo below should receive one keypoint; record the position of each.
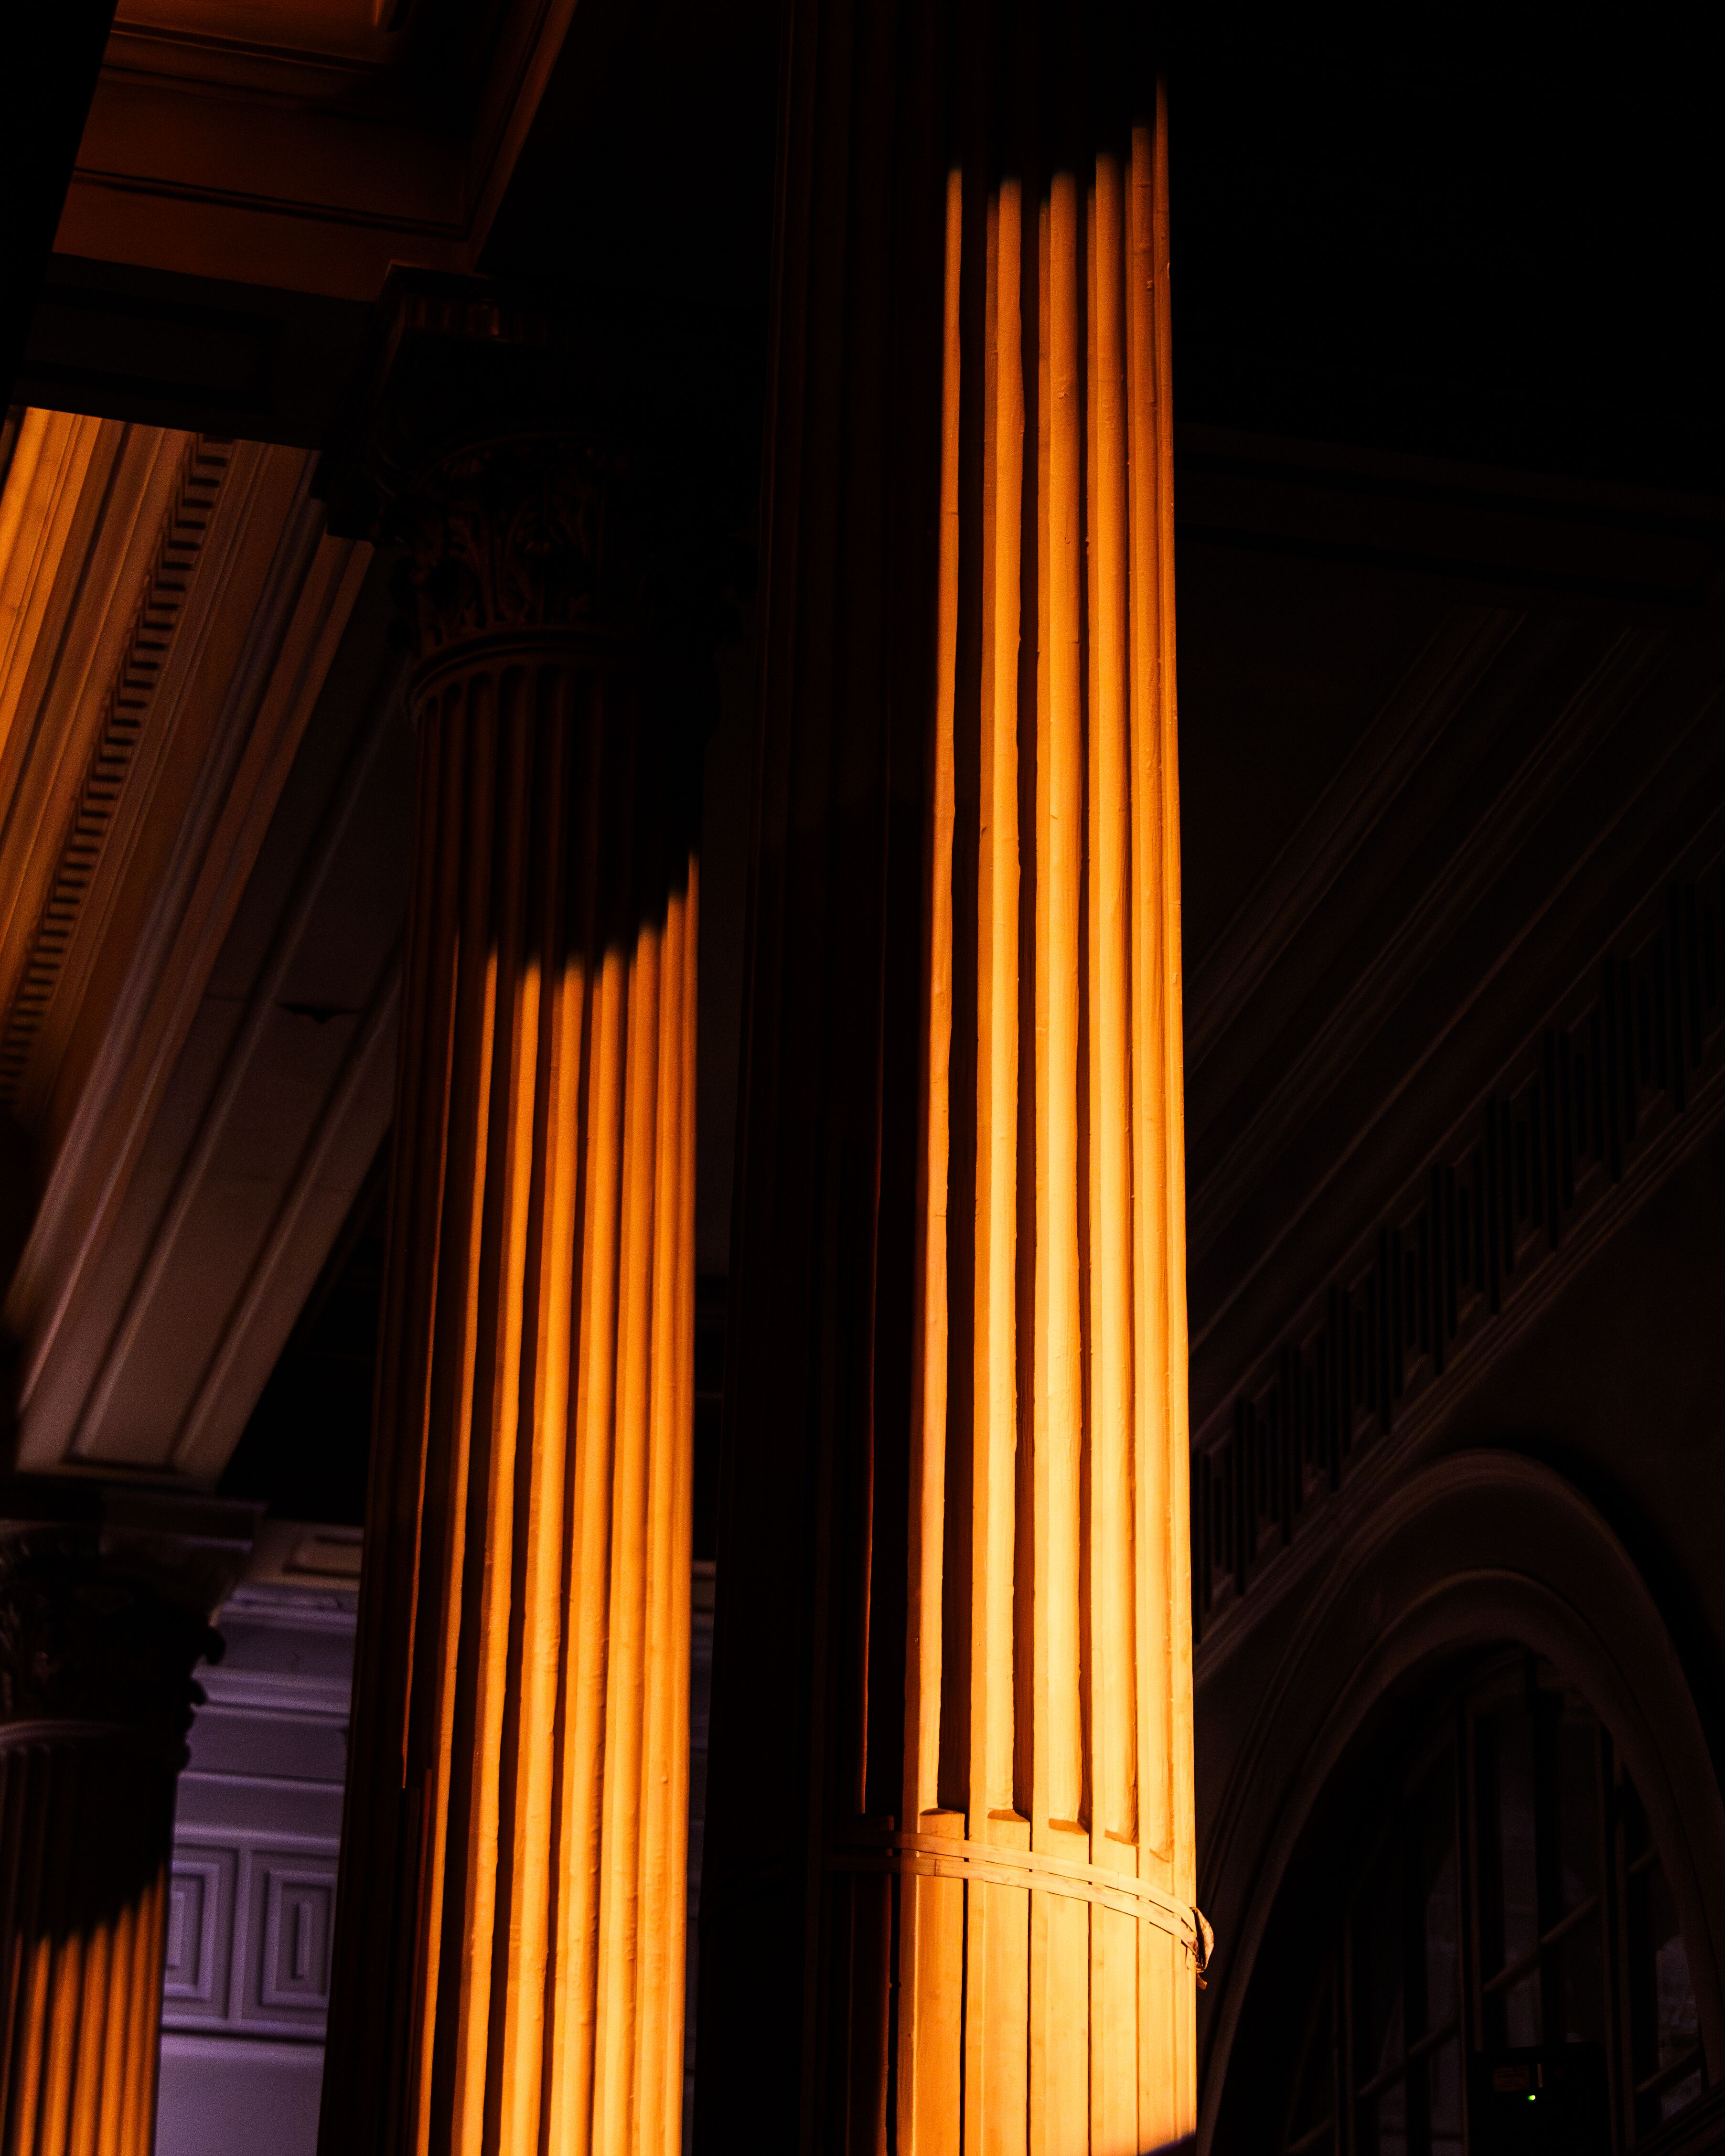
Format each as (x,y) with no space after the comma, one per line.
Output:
(87,1812)
(512,1980)
(665,1756)
(932,1912)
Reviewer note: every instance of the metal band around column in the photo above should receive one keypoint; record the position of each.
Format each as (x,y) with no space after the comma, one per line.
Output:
(940,1856)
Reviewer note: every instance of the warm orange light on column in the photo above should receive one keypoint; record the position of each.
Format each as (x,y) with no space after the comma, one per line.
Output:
(1048,1947)
(509,1960)
(86,1814)
(96,1652)
(947,1872)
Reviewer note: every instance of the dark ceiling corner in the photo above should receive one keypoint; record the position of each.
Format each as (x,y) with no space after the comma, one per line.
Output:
(54,54)
(1503,250)
(166,351)
(307,1448)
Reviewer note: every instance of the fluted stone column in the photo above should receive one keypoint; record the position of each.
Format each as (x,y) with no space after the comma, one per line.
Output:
(949,1866)
(509,1953)
(96,1654)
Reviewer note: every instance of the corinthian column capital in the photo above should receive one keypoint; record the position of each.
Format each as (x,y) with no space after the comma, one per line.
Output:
(80,1643)
(104,1603)
(105,1599)
(537,533)
(541,483)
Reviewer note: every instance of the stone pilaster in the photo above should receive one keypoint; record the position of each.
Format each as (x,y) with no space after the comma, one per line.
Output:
(510,1940)
(102,1617)
(948,1879)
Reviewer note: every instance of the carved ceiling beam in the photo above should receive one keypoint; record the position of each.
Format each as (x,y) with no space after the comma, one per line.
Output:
(173,612)
(82,694)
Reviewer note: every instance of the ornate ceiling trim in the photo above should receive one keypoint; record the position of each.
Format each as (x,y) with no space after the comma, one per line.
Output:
(126,713)
(50,457)
(258,628)
(80,522)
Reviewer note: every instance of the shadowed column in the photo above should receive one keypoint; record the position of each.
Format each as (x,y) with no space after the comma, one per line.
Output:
(96,1654)
(949,1869)
(508,1971)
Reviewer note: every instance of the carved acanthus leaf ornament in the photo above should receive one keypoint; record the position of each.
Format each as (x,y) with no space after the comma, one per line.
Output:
(82,1640)
(530,533)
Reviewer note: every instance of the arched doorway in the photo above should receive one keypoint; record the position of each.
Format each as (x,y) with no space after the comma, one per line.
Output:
(1480,1713)
(1495,1882)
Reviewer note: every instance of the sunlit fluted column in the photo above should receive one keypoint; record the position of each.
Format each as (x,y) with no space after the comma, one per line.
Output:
(511,1927)
(959,1386)
(95,1697)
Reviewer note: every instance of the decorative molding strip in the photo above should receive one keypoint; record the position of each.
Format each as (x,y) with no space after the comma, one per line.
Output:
(251,1907)
(264,619)
(1623,1076)
(249,1929)
(941,1856)
(127,710)
(189,1184)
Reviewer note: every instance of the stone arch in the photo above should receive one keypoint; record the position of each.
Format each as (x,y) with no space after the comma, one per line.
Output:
(1482,1547)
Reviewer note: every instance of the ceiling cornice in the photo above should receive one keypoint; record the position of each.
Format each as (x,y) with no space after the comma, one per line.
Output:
(246,607)
(302,161)
(89,732)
